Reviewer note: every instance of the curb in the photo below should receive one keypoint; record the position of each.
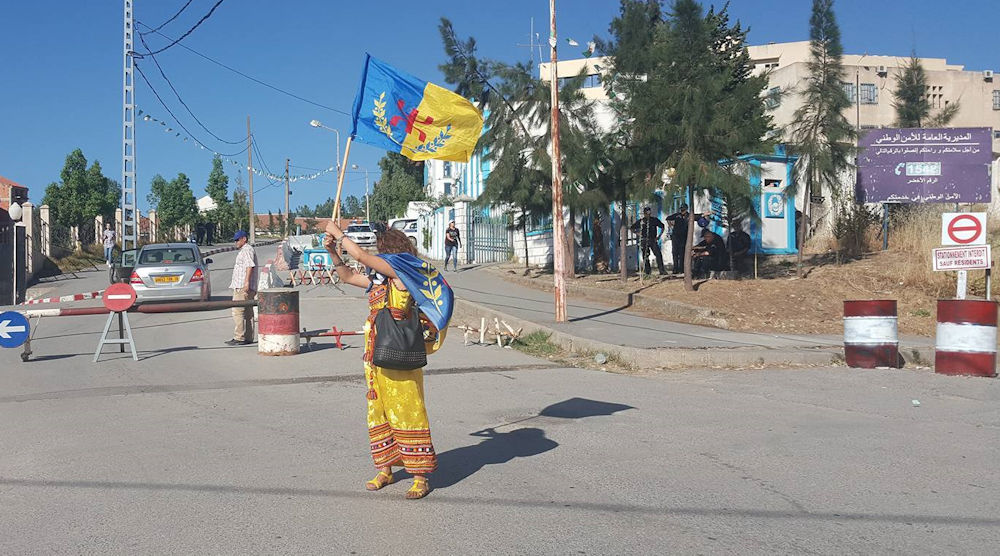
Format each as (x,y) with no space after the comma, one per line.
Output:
(681,358)
(676,310)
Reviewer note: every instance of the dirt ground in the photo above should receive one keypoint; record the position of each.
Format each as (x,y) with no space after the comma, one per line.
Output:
(778,301)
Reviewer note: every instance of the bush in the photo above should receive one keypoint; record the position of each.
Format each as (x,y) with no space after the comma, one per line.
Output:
(856,229)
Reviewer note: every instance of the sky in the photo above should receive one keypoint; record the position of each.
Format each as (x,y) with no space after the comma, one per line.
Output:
(61,73)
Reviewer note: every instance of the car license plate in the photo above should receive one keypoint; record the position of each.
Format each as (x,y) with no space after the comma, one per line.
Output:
(166,279)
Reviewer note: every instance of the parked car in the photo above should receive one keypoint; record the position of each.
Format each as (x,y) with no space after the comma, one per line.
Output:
(171,272)
(361,234)
(408,226)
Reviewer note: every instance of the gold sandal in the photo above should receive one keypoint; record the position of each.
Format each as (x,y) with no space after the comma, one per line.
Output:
(419,489)
(378,482)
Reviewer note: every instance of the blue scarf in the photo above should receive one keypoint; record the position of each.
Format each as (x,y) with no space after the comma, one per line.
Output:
(429,290)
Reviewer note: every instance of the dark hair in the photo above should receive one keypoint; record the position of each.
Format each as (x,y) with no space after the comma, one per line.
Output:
(394,241)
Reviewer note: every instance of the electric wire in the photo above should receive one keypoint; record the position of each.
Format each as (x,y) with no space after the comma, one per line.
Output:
(188,32)
(181,100)
(162,25)
(179,124)
(251,78)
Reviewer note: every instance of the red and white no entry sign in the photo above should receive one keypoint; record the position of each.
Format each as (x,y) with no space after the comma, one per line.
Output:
(119,297)
(963,228)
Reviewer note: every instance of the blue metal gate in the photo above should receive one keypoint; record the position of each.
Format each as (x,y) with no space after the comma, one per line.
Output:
(489,236)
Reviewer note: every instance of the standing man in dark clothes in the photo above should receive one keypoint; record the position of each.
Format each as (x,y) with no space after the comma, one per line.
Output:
(739,248)
(709,255)
(649,229)
(678,236)
(452,241)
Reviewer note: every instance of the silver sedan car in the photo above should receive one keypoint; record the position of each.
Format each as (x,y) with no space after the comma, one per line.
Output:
(171,272)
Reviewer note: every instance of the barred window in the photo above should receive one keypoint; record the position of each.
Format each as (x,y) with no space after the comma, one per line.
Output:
(996,100)
(851,91)
(773,97)
(869,93)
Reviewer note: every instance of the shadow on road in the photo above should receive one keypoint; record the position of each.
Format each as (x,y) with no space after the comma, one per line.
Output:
(501,447)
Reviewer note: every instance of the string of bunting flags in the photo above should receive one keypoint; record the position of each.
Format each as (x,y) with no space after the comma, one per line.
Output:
(257,171)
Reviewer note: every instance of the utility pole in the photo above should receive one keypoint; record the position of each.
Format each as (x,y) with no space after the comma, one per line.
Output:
(128,231)
(288,225)
(558,260)
(253,217)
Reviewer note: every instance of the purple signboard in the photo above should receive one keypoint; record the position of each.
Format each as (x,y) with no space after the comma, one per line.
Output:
(948,165)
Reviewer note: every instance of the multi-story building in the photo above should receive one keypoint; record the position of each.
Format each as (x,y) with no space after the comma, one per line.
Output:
(869,81)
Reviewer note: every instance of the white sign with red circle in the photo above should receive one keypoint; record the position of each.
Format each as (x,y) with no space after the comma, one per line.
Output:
(963,228)
(119,297)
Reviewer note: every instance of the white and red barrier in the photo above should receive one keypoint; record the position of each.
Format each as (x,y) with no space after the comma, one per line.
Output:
(871,334)
(278,322)
(966,340)
(66,298)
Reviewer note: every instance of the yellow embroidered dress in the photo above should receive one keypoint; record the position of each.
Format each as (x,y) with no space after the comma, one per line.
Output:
(397,419)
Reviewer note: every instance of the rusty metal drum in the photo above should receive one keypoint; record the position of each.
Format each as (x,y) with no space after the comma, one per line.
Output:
(966,339)
(871,334)
(278,321)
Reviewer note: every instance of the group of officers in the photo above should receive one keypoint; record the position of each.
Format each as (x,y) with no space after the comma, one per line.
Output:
(711,254)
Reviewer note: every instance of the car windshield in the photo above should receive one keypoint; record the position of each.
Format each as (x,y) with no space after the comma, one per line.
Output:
(356,229)
(400,224)
(166,255)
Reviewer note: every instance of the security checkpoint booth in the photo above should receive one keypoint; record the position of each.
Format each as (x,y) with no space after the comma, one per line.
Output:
(770,178)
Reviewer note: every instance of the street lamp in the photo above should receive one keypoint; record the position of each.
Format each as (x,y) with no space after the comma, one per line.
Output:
(317,123)
(367,214)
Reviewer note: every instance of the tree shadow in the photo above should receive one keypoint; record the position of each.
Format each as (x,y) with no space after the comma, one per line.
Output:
(456,465)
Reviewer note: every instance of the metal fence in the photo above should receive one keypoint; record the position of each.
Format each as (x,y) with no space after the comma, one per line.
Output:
(489,235)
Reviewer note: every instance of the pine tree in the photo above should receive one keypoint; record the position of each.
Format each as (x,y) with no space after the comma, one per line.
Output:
(913,109)
(694,102)
(821,134)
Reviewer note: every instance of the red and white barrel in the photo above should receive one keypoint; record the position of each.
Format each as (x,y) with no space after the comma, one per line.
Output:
(278,322)
(871,334)
(966,342)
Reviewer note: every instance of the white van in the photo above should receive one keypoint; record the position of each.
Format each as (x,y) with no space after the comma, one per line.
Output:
(408,226)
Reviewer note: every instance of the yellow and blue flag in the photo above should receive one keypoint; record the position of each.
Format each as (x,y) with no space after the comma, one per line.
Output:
(427,287)
(420,120)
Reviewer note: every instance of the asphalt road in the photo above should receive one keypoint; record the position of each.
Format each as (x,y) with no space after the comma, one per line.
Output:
(204,449)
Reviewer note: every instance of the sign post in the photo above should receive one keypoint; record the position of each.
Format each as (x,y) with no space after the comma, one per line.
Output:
(14,329)
(118,298)
(966,231)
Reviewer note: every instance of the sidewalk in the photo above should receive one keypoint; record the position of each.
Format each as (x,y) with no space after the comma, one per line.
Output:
(640,341)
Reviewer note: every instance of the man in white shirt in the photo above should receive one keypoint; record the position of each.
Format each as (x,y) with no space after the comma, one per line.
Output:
(244,287)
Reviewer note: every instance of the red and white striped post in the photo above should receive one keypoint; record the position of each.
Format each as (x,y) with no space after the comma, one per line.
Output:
(871,334)
(966,341)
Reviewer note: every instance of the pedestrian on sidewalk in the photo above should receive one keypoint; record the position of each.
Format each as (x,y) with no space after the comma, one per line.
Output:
(244,285)
(650,228)
(398,428)
(452,241)
(109,238)
(678,236)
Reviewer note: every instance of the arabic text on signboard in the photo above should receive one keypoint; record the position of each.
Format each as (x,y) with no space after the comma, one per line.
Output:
(925,165)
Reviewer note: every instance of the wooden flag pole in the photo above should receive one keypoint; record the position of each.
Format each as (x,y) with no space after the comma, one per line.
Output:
(340,182)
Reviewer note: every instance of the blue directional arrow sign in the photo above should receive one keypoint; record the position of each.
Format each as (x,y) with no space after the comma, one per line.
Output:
(14,329)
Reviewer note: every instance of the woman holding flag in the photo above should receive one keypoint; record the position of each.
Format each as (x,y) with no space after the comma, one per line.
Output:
(398,427)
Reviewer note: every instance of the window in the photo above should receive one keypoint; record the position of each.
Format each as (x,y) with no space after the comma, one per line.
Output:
(996,134)
(773,98)
(446,172)
(996,100)
(851,91)
(538,224)
(593,80)
(869,93)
